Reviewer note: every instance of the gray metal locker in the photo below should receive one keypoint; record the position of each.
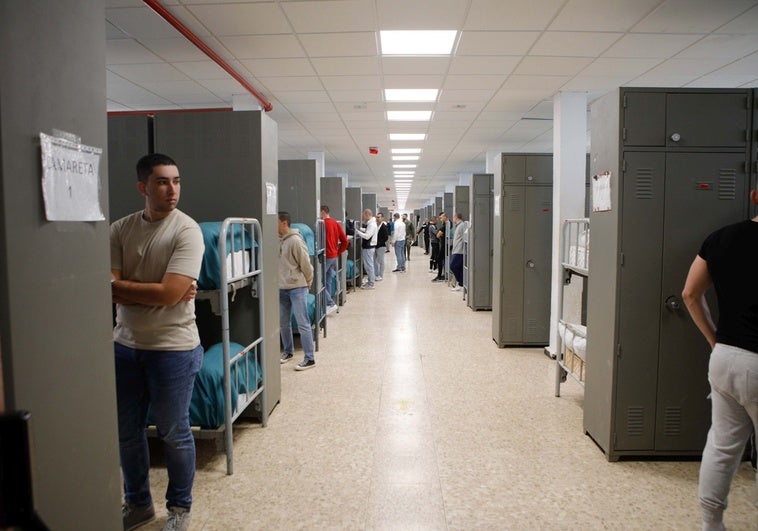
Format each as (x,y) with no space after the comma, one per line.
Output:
(462,198)
(679,162)
(369,201)
(333,196)
(479,260)
(300,190)
(448,204)
(522,254)
(438,206)
(353,203)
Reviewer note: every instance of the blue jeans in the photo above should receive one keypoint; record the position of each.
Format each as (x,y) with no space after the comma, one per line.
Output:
(456,266)
(295,301)
(367,257)
(400,254)
(331,272)
(164,381)
(379,262)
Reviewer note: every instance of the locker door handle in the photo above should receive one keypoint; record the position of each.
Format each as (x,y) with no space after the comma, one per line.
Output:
(672,303)
(676,137)
(530,264)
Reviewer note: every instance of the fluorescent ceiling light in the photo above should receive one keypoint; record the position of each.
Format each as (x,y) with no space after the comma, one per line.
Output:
(409,116)
(407,136)
(405,157)
(403,165)
(405,151)
(425,42)
(402,181)
(404,172)
(411,94)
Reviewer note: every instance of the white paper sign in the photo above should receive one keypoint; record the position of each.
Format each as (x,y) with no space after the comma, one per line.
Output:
(271,199)
(601,192)
(70,180)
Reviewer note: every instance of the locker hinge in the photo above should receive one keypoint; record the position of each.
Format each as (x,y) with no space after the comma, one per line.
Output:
(623,165)
(748,103)
(615,440)
(623,133)
(624,102)
(618,350)
(621,259)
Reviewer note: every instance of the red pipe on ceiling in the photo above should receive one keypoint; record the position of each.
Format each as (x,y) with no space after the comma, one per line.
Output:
(194,39)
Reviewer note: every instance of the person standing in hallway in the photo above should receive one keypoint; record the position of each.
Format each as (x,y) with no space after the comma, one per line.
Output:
(156,255)
(433,244)
(409,236)
(460,227)
(441,244)
(382,235)
(398,240)
(727,260)
(368,246)
(295,277)
(423,229)
(336,244)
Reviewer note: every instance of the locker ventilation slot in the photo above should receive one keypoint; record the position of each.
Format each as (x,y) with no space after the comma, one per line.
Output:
(727,184)
(515,202)
(644,183)
(634,421)
(531,328)
(673,420)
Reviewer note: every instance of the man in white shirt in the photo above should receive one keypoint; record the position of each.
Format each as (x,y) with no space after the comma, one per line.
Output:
(398,238)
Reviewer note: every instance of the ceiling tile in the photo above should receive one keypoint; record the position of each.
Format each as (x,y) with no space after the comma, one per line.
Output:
(148,72)
(722,45)
(511,14)
(346,66)
(473,82)
(339,44)
(242,19)
(601,15)
(723,81)
(448,96)
(176,49)
(573,44)
(415,65)
(304,96)
(747,66)
(310,107)
(263,46)
(202,70)
(128,51)
(287,84)
(413,82)
(224,88)
(352,82)
(648,45)
(562,66)
(420,14)
(549,83)
(692,16)
(356,96)
(181,91)
(142,22)
(686,67)
(597,82)
(279,67)
(325,16)
(496,42)
(745,23)
(492,64)
(630,67)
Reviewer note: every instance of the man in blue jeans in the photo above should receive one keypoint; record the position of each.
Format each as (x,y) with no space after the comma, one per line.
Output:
(728,261)
(155,259)
(295,277)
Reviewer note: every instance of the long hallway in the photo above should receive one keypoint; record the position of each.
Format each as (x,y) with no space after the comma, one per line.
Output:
(414,419)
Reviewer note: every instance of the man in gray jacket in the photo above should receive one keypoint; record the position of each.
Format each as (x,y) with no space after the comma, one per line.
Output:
(295,277)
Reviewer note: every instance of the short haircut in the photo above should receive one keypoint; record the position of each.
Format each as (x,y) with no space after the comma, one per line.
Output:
(368,211)
(285,216)
(395,215)
(146,164)
(459,216)
(324,208)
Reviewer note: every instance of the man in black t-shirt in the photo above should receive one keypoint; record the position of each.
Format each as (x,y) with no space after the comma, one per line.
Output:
(441,244)
(728,261)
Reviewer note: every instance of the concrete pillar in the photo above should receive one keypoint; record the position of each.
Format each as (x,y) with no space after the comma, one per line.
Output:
(569,170)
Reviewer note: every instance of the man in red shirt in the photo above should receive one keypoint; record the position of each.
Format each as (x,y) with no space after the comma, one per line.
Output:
(336,244)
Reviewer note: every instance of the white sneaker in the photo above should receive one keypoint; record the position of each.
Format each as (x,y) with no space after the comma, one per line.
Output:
(379,279)
(366,286)
(456,288)
(331,309)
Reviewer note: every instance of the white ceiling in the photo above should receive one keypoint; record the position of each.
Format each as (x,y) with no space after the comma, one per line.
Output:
(318,63)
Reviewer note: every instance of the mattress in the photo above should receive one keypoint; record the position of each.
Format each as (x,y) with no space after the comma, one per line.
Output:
(307,233)
(210,272)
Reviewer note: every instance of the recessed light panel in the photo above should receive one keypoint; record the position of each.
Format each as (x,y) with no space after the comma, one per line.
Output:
(407,136)
(409,116)
(425,42)
(411,94)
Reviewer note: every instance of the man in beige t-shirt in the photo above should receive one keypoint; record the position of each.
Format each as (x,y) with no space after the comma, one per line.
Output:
(155,260)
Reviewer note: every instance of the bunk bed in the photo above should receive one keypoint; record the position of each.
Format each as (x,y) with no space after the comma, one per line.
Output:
(353,264)
(571,340)
(231,378)
(315,241)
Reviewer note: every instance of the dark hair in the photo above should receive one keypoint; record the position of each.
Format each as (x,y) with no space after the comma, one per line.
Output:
(325,208)
(146,164)
(459,216)
(285,216)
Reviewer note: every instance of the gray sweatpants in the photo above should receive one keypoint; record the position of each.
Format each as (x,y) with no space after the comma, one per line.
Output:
(733,375)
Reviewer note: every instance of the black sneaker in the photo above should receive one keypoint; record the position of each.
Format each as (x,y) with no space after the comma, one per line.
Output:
(438,279)
(133,516)
(285,358)
(305,365)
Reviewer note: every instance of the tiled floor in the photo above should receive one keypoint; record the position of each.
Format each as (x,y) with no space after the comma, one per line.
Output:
(414,419)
